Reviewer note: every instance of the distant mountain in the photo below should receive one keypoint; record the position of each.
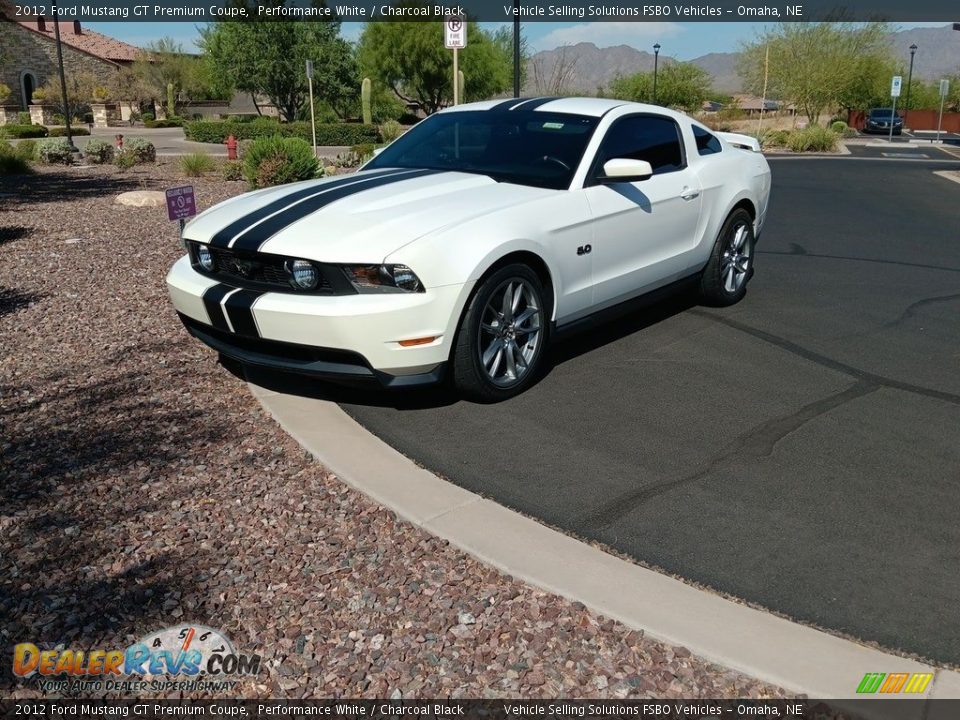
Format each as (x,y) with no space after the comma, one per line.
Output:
(584,67)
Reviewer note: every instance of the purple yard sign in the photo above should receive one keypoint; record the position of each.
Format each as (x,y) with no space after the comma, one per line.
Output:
(181,203)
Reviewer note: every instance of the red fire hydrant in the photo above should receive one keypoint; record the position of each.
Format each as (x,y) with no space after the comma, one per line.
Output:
(120,141)
(231,143)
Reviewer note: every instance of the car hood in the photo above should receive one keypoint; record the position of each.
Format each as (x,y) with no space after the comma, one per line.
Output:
(358,218)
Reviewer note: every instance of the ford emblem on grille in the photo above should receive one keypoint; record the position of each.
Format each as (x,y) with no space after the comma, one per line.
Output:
(243,267)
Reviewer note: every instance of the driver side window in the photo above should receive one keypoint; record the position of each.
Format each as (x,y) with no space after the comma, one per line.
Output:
(653,138)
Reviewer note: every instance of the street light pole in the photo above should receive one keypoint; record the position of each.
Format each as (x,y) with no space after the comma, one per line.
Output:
(656,58)
(63,80)
(913,50)
(516,48)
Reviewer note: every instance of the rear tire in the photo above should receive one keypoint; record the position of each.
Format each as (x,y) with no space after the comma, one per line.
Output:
(730,267)
(502,337)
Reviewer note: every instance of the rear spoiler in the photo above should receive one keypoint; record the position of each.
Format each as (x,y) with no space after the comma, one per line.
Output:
(741,141)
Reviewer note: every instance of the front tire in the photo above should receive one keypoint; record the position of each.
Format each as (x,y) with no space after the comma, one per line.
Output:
(724,280)
(502,336)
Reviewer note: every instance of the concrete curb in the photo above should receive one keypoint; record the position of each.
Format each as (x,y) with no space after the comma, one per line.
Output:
(793,656)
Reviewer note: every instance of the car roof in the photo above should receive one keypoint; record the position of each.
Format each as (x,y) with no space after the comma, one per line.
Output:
(590,106)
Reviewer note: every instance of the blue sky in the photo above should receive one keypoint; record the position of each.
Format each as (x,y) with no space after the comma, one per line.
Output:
(680,40)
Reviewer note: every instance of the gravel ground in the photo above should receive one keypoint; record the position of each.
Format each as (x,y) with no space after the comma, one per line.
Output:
(143,487)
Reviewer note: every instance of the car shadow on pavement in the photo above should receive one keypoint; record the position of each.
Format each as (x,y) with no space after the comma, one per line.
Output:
(629,320)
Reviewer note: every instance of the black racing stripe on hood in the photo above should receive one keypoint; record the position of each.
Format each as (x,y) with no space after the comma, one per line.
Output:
(506,104)
(212,297)
(535,103)
(265,230)
(239,308)
(223,236)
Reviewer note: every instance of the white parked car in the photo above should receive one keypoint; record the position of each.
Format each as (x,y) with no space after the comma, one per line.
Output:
(465,244)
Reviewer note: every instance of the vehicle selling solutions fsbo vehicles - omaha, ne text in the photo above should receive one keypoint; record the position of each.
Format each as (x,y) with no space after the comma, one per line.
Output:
(463,245)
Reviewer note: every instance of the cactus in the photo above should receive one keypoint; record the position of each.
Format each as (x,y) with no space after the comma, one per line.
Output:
(365,92)
(461,85)
(171,101)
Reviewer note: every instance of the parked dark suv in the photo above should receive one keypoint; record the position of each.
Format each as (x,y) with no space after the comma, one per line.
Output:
(878,121)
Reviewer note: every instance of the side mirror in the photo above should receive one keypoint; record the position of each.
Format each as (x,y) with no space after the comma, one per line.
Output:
(626,170)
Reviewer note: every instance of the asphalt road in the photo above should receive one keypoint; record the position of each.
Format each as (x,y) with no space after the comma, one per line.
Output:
(800,450)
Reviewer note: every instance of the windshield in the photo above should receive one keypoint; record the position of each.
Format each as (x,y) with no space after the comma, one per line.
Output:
(882,112)
(525,147)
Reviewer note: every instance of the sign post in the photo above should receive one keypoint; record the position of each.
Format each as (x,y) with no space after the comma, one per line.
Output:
(944,89)
(181,204)
(894,93)
(313,122)
(455,38)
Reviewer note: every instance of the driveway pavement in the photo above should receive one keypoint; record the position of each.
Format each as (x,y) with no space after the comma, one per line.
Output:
(800,450)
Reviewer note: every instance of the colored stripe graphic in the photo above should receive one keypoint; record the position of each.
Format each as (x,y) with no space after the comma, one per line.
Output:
(894,683)
(212,297)
(918,682)
(223,237)
(260,233)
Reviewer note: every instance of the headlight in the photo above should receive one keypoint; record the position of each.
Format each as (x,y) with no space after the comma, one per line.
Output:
(204,257)
(383,278)
(304,274)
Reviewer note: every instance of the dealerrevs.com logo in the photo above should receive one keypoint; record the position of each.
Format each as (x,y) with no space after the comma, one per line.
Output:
(185,657)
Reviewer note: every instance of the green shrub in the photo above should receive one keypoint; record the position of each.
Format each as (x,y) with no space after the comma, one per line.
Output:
(363,151)
(23,118)
(232,170)
(197,164)
(24,131)
(140,149)
(124,161)
(217,131)
(26,149)
(54,151)
(813,139)
(14,159)
(148,117)
(13,165)
(98,151)
(774,138)
(168,123)
(838,126)
(5,93)
(391,130)
(279,160)
(74,131)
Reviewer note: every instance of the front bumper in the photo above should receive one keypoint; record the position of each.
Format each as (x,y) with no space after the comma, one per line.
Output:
(346,337)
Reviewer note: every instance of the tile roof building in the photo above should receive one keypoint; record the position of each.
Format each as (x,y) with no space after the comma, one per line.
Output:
(28,56)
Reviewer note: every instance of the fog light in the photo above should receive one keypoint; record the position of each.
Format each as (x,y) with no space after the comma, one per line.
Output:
(204,257)
(304,274)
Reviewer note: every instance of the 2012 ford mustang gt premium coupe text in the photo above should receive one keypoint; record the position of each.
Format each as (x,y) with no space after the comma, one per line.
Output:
(460,248)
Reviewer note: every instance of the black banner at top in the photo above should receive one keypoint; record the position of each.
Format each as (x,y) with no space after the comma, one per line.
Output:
(200,11)
(506,709)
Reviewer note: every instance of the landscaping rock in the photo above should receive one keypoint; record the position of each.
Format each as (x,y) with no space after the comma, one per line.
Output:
(142,198)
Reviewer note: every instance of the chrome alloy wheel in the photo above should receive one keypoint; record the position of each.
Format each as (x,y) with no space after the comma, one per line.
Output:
(510,330)
(735,261)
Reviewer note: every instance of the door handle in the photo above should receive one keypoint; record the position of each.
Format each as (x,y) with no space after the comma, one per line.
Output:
(689,193)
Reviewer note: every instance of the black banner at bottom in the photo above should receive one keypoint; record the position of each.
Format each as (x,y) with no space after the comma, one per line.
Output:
(866,709)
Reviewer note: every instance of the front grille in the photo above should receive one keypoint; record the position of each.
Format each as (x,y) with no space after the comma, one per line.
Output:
(262,271)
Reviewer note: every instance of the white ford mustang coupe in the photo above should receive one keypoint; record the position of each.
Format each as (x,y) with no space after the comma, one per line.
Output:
(465,244)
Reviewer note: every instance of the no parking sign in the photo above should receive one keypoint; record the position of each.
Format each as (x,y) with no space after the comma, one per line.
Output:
(181,203)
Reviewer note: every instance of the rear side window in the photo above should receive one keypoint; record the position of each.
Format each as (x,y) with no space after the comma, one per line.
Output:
(707,143)
(652,138)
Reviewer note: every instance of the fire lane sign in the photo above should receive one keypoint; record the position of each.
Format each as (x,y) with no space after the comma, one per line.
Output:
(455,32)
(181,203)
